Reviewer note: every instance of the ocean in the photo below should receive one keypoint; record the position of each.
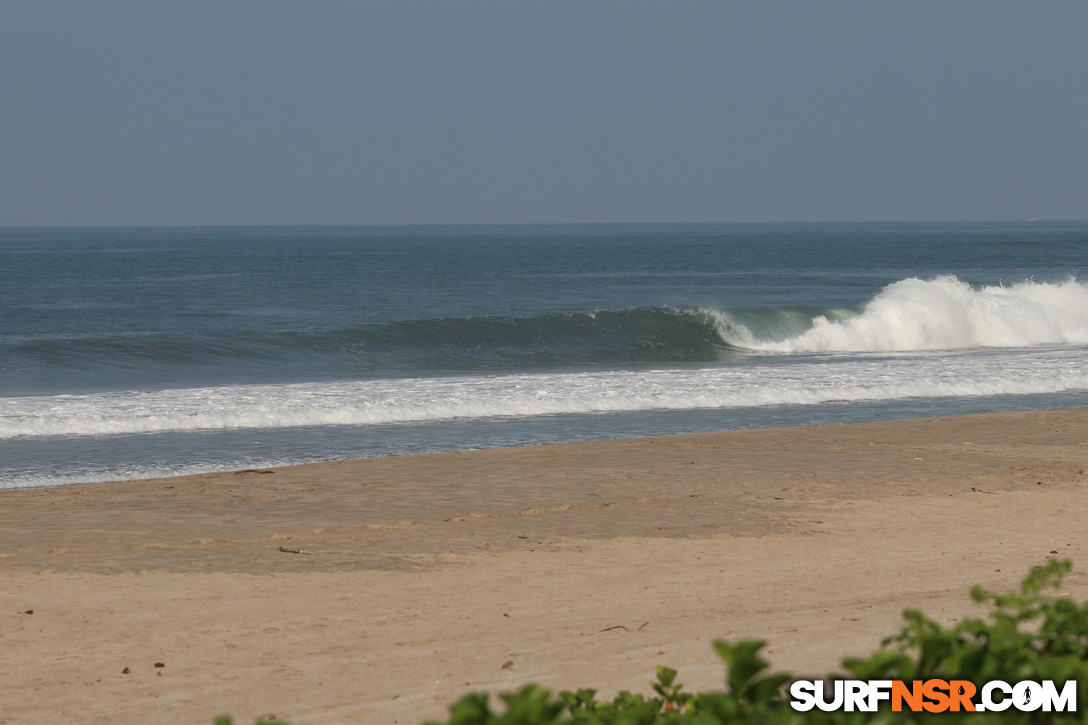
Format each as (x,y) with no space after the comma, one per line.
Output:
(130,353)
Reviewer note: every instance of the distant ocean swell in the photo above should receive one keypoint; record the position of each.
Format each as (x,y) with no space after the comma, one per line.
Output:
(653,334)
(909,315)
(416,400)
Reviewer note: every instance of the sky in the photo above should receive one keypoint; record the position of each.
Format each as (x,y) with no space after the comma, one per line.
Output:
(407,112)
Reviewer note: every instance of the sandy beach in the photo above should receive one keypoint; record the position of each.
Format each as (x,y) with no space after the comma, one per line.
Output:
(380,590)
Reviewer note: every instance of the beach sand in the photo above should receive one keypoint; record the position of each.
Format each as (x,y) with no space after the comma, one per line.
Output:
(584,565)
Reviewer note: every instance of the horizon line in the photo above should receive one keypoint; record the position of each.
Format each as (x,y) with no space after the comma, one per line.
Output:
(214,225)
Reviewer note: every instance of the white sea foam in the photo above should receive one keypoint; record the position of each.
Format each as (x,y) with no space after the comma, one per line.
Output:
(417,400)
(941,314)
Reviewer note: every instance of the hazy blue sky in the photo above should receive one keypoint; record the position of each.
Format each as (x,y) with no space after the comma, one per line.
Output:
(427,112)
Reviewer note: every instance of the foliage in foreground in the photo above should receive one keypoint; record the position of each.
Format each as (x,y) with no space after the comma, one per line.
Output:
(1027,635)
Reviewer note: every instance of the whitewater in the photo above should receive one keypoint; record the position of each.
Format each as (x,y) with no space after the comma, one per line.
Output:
(423,400)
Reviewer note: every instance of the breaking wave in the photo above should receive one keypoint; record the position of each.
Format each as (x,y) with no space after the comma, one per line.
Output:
(909,315)
(939,314)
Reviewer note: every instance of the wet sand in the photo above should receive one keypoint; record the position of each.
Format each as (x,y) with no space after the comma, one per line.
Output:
(378,591)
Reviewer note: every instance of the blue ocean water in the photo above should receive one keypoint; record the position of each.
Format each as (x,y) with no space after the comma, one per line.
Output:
(138,352)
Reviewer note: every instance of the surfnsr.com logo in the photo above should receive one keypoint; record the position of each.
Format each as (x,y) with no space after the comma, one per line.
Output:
(934,696)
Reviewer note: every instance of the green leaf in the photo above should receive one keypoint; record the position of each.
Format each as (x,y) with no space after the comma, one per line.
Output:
(742,662)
